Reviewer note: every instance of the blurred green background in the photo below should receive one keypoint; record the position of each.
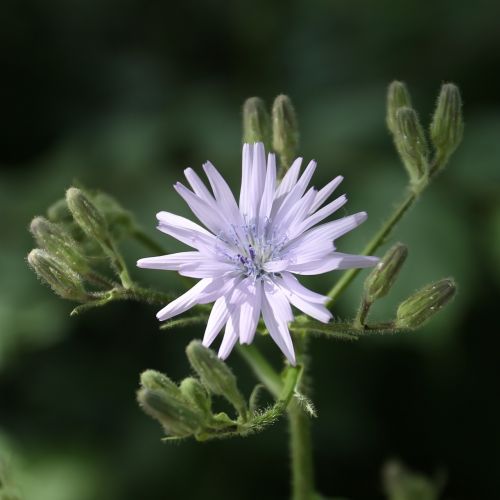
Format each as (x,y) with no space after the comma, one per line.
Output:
(122,96)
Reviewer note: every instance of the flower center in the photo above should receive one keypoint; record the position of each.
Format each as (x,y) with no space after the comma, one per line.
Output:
(251,246)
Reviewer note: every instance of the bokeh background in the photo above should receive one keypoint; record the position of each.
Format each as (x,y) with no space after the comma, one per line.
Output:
(122,95)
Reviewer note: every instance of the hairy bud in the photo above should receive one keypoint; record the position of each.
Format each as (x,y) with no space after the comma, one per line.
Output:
(160,398)
(194,390)
(215,374)
(382,277)
(447,125)
(397,97)
(285,130)
(58,242)
(412,145)
(87,215)
(256,122)
(62,279)
(422,305)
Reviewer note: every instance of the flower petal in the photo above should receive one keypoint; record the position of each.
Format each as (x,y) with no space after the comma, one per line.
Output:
(205,291)
(223,194)
(335,261)
(325,192)
(250,310)
(171,262)
(294,195)
(217,319)
(246,167)
(266,202)
(230,338)
(257,180)
(321,214)
(199,187)
(325,233)
(289,180)
(277,313)
(209,268)
(187,232)
(314,309)
(213,219)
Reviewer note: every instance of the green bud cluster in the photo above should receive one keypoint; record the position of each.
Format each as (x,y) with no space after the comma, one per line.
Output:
(78,226)
(422,305)
(185,410)
(279,131)
(409,138)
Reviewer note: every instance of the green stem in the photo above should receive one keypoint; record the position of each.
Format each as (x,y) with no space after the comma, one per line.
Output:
(374,244)
(362,314)
(300,439)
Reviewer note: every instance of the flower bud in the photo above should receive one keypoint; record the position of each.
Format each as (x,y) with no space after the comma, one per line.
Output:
(425,303)
(447,123)
(87,216)
(215,374)
(397,97)
(285,130)
(64,281)
(151,379)
(382,277)
(411,144)
(256,122)
(160,398)
(58,242)
(194,390)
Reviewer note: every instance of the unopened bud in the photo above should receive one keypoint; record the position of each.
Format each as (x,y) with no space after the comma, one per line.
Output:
(285,130)
(62,279)
(382,277)
(447,125)
(194,390)
(425,303)
(412,145)
(215,374)
(58,242)
(397,97)
(87,216)
(256,122)
(162,399)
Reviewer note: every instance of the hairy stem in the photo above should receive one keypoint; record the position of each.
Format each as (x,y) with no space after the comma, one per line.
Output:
(300,438)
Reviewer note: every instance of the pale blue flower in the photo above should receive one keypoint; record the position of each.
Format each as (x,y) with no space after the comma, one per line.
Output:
(249,253)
